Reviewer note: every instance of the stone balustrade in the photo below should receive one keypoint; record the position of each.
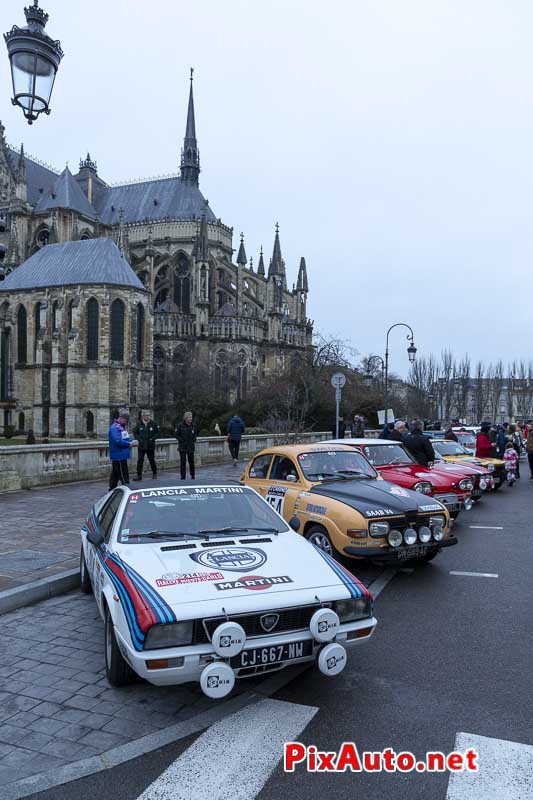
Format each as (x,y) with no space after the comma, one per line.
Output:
(31,466)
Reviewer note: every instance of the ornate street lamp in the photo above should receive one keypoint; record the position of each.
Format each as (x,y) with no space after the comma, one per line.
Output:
(34,58)
(369,377)
(411,352)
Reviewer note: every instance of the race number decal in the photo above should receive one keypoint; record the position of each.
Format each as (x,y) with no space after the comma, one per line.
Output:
(276,498)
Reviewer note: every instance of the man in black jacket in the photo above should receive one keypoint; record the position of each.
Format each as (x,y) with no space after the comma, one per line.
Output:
(146,432)
(186,434)
(419,445)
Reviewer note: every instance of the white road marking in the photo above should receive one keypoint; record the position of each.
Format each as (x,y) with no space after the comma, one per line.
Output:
(505,770)
(234,758)
(487,527)
(477,574)
(378,585)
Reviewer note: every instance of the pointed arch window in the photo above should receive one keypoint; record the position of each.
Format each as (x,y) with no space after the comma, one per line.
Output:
(182,285)
(55,316)
(92,328)
(22,336)
(139,338)
(89,422)
(117,330)
(36,325)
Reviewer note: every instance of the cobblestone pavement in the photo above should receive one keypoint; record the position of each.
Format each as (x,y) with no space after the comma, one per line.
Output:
(39,529)
(56,705)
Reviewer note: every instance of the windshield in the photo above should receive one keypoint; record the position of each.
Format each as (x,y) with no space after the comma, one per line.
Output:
(467,439)
(381,454)
(450,448)
(326,464)
(180,512)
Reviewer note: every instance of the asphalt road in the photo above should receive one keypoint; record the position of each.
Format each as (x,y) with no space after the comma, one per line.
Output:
(452,654)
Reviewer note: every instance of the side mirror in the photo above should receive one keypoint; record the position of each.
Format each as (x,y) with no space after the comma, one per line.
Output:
(294,523)
(95,537)
(291,478)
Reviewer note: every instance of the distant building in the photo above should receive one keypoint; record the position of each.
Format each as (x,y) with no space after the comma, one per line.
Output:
(234,323)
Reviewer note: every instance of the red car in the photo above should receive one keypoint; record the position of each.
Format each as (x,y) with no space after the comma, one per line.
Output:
(395,464)
(482,477)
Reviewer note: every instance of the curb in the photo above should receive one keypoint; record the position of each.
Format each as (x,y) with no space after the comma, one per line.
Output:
(43,589)
(146,744)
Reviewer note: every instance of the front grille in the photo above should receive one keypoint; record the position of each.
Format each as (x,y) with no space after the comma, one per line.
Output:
(290,619)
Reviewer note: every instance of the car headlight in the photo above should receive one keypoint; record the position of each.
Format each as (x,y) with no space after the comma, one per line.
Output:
(350,610)
(395,538)
(424,534)
(466,485)
(424,487)
(490,467)
(409,536)
(174,634)
(439,521)
(482,483)
(379,528)
(438,533)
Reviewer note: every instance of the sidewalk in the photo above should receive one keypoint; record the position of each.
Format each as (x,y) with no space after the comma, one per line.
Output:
(40,528)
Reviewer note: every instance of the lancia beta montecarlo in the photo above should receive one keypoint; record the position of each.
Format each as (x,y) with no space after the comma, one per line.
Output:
(210,584)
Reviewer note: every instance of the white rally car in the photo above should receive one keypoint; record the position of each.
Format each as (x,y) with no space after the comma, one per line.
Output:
(208,583)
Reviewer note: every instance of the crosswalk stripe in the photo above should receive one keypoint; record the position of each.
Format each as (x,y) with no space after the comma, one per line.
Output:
(235,757)
(476,574)
(505,770)
(486,527)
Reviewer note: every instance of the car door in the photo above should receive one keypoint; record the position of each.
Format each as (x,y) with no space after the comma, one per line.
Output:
(284,485)
(105,519)
(258,473)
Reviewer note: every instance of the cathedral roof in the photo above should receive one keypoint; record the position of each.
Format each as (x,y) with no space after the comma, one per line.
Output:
(65,193)
(39,178)
(153,200)
(87,262)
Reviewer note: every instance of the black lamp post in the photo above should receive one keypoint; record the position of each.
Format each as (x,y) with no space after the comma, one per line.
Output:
(369,376)
(34,58)
(411,352)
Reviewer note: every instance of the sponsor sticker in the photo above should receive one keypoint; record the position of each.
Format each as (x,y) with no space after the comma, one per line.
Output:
(190,491)
(432,507)
(312,509)
(177,578)
(253,582)
(378,512)
(231,559)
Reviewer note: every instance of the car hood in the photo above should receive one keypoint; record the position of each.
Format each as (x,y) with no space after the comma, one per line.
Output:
(236,575)
(409,475)
(373,498)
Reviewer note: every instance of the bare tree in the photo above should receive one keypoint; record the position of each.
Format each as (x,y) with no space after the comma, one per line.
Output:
(480,390)
(447,375)
(463,384)
(331,351)
(494,384)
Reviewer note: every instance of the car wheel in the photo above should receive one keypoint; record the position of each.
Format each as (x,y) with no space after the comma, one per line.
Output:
(85,581)
(319,536)
(497,486)
(118,671)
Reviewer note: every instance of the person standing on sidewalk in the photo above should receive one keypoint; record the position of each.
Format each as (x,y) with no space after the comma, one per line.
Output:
(119,450)
(186,434)
(236,428)
(146,432)
(529,447)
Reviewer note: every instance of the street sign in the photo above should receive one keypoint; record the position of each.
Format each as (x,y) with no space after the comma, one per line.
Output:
(338,380)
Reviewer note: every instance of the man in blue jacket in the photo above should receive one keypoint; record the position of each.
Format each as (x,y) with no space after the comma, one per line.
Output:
(235,431)
(119,450)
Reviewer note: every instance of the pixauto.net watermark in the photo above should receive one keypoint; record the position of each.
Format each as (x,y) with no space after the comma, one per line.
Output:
(348,759)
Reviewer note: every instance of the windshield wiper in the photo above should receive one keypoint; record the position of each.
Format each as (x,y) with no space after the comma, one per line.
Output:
(354,472)
(157,534)
(322,475)
(231,529)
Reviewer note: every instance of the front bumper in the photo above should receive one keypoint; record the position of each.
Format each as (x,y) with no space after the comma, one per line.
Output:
(394,554)
(453,501)
(194,658)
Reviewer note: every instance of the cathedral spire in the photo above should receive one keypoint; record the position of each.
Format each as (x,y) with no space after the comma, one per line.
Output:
(302,284)
(241,257)
(261,264)
(21,168)
(190,156)
(277,267)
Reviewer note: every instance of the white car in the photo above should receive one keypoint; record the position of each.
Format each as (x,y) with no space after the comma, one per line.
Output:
(209,584)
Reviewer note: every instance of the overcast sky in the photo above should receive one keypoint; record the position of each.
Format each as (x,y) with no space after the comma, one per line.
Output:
(392,141)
